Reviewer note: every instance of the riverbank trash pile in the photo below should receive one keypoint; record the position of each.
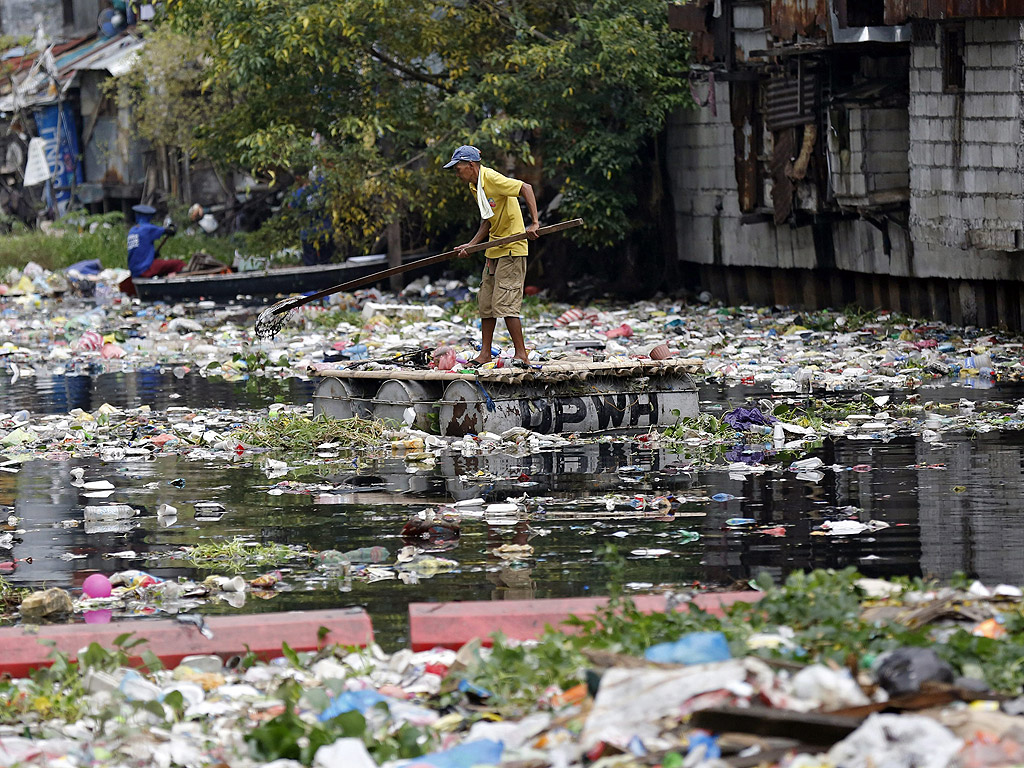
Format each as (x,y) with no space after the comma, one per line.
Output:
(839,355)
(784,351)
(830,670)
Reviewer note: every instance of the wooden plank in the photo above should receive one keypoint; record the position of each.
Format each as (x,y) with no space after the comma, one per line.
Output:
(498,375)
(810,727)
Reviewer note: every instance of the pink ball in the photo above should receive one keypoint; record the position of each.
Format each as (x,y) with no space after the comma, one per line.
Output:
(97,585)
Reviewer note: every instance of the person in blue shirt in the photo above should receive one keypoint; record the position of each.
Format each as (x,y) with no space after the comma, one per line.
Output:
(316,234)
(142,260)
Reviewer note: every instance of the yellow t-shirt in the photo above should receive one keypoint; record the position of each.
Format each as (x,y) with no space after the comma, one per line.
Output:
(503,193)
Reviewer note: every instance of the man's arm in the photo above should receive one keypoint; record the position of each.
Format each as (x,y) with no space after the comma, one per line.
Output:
(526,192)
(479,237)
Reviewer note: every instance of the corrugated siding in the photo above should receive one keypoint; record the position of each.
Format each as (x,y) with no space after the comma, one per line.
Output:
(791,101)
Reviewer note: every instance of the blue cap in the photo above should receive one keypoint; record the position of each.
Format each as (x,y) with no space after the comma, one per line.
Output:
(465,152)
(145,210)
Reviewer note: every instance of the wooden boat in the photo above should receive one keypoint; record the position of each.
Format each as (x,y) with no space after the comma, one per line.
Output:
(260,282)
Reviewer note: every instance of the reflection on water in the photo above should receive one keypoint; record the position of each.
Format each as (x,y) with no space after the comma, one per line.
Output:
(90,386)
(951,506)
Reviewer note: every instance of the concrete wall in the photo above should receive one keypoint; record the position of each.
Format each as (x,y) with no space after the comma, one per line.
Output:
(708,226)
(955,253)
(21,17)
(965,162)
(869,154)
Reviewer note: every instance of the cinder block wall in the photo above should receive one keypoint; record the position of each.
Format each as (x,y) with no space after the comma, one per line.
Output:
(704,190)
(875,159)
(965,165)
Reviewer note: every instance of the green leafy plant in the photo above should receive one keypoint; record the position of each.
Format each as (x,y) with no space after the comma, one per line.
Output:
(289,736)
(820,612)
(10,595)
(704,426)
(298,433)
(391,87)
(237,554)
(56,690)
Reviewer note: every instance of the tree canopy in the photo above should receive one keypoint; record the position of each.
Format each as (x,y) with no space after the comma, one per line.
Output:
(564,93)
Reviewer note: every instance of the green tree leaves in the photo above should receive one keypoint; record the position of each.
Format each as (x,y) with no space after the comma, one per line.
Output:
(568,93)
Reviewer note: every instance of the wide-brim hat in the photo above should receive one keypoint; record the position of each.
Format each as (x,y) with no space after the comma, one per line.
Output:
(144,210)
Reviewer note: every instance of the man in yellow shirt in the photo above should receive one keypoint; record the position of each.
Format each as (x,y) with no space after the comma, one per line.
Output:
(501,286)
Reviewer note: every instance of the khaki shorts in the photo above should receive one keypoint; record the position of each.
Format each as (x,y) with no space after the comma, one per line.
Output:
(501,294)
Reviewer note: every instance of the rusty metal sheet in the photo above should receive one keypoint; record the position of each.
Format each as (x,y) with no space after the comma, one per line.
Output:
(746,133)
(782,186)
(688,17)
(692,18)
(806,18)
(901,11)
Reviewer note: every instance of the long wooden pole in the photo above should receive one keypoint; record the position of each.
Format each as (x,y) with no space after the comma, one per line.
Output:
(359,282)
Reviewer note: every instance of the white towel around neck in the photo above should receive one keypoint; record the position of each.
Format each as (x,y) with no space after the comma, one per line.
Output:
(486,211)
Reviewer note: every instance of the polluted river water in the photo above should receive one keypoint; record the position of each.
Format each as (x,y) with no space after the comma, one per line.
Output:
(900,455)
(947,509)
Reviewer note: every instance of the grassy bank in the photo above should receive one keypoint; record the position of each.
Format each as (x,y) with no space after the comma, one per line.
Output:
(71,242)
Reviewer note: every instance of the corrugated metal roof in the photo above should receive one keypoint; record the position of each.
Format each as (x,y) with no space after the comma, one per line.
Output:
(34,86)
(116,57)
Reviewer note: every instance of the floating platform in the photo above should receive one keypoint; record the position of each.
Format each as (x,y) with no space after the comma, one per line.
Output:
(558,397)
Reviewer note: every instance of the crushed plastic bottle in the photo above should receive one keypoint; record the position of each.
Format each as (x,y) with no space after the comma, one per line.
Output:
(47,602)
(109,513)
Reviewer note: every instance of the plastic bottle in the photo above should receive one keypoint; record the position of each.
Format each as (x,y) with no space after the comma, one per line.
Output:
(96,514)
(723,497)
(978,361)
(367,555)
